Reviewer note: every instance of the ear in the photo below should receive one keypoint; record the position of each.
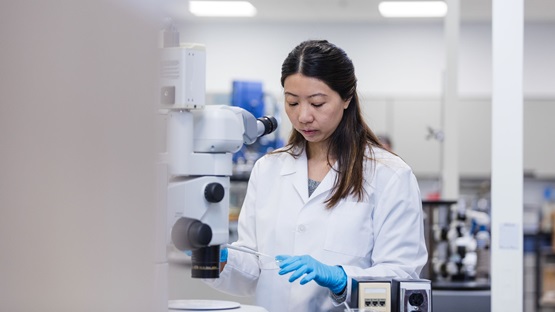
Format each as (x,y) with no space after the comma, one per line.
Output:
(346,103)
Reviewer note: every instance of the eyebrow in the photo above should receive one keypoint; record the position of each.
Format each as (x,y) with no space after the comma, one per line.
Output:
(310,96)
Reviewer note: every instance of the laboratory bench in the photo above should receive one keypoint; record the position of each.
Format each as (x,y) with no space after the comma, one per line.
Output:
(458,296)
(541,273)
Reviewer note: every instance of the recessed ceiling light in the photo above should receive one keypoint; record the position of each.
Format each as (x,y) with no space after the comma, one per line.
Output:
(222,8)
(412,8)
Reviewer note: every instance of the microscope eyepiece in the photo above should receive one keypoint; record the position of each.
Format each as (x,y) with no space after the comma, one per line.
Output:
(270,124)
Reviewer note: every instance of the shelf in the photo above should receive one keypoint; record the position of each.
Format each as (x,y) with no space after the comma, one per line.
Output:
(439,202)
(462,285)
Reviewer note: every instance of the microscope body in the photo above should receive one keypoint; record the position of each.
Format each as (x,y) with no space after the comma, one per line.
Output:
(200,146)
(200,142)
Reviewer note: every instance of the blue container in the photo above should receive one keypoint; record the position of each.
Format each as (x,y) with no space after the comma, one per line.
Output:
(249,96)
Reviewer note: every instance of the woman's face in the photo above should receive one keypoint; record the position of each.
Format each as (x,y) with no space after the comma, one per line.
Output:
(313,108)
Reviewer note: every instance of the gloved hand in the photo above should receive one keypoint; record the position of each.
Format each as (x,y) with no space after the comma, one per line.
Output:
(332,277)
(223,254)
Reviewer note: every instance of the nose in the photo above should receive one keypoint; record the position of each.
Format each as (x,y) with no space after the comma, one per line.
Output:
(305,113)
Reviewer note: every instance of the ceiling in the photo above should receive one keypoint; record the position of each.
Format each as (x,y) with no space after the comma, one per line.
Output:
(342,11)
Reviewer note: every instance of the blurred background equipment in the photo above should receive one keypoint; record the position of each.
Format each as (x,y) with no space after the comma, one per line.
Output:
(250,96)
(458,238)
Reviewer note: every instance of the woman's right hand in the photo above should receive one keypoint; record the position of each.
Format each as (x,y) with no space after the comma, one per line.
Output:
(223,258)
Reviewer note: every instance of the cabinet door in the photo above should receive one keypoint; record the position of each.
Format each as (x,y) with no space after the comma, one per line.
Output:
(377,114)
(474,138)
(411,123)
(407,122)
(539,134)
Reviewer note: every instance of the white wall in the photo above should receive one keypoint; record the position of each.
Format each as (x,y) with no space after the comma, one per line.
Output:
(399,67)
(395,59)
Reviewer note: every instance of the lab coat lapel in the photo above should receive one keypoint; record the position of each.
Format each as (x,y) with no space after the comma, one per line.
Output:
(298,167)
(325,185)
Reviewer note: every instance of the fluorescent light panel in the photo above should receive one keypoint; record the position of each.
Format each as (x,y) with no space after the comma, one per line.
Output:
(413,8)
(222,8)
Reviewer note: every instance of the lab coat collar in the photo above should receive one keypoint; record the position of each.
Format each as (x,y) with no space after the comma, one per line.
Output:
(299,168)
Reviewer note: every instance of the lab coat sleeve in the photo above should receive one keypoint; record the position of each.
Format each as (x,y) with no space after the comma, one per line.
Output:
(238,278)
(240,275)
(399,245)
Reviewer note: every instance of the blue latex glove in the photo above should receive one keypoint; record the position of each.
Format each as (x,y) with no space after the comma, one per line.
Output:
(223,255)
(332,277)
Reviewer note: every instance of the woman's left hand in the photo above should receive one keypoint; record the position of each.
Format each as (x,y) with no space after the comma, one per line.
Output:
(332,277)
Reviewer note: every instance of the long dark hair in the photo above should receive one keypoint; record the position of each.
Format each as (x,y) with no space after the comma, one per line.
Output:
(328,63)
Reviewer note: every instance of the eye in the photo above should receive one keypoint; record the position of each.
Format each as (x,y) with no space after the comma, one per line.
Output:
(292,104)
(317,104)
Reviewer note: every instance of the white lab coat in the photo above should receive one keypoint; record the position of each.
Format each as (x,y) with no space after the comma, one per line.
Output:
(382,236)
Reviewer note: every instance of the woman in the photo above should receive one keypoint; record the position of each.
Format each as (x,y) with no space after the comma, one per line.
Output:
(334,198)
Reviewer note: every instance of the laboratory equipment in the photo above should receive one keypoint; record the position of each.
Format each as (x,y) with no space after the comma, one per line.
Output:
(368,292)
(247,250)
(548,210)
(250,96)
(192,305)
(391,294)
(200,142)
(458,240)
(466,236)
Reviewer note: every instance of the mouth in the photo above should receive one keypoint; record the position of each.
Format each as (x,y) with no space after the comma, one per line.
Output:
(308,132)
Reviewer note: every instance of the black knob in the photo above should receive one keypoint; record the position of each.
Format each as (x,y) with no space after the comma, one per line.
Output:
(214,192)
(189,234)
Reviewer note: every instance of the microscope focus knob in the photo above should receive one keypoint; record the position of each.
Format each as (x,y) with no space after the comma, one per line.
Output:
(214,192)
(190,234)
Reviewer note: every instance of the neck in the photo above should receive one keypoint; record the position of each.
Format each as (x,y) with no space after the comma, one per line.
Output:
(317,151)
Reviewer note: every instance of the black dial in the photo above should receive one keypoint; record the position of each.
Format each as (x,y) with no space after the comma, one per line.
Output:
(214,192)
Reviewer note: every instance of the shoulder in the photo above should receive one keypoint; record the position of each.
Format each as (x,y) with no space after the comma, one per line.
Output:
(279,154)
(387,159)
(273,161)
(385,163)
(389,176)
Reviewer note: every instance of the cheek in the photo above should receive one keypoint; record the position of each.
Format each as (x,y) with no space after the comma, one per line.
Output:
(289,114)
(335,118)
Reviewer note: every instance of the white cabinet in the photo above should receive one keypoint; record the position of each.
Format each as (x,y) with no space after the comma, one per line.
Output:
(377,114)
(474,138)
(412,119)
(407,120)
(539,137)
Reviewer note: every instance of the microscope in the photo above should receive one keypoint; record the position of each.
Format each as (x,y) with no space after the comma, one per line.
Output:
(200,142)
